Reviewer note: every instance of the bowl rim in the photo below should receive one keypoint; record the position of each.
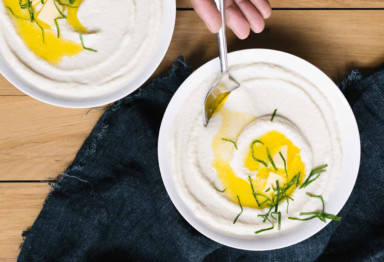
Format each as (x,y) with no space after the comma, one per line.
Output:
(149,69)
(348,131)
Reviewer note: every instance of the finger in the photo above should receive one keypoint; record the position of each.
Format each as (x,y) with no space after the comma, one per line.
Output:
(255,19)
(207,11)
(237,22)
(264,7)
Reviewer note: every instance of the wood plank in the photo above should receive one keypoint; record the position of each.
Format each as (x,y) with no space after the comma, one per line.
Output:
(7,88)
(20,203)
(334,40)
(38,141)
(311,3)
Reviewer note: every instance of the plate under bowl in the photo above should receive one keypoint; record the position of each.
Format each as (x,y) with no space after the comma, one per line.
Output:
(348,131)
(85,102)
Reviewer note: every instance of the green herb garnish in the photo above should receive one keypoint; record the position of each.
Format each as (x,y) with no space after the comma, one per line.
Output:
(57,25)
(273,115)
(278,219)
(271,160)
(316,171)
(253,190)
(260,161)
(58,9)
(68,4)
(238,199)
(82,41)
(320,215)
(63,16)
(18,17)
(218,190)
(316,214)
(298,179)
(280,194)
(265,229)
(255,194)
(230,141)
(252,153)
(31,11)
(266,215)
(292,182)
(319,197)
(42,30)
(277,196)
(29,7)
(256,141)
(302,219)
(266,198)
(285,163)
(289,198)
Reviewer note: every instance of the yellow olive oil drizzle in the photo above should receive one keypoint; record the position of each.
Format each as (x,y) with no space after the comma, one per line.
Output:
(260,158)
(47,44)
(232,124)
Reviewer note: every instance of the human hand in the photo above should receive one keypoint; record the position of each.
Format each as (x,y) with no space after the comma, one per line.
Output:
(241,15)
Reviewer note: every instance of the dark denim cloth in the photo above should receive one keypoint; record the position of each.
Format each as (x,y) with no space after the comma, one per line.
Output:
(111,205)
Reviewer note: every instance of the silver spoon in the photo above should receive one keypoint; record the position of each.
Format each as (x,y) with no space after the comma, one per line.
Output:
(225,83)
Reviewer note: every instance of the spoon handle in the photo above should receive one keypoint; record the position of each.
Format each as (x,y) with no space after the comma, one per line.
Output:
(221,38)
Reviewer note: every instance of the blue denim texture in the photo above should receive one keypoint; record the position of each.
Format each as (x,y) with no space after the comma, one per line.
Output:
(111,205)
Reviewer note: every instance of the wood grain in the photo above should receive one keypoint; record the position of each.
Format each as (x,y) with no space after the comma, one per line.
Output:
(20,203)
(311,3)
(8,89)
(334,40)
(38,141)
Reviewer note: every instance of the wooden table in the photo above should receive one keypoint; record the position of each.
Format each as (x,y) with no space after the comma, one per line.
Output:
(37,141)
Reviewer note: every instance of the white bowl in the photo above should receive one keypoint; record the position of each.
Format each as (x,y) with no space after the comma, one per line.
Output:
(348,131)
(158,56)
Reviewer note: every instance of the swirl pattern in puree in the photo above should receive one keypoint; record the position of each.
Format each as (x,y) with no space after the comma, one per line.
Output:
(304,131)
(257,165)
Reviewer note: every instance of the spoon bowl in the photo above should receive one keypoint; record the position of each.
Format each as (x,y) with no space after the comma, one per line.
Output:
(219,91)
(225,83)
